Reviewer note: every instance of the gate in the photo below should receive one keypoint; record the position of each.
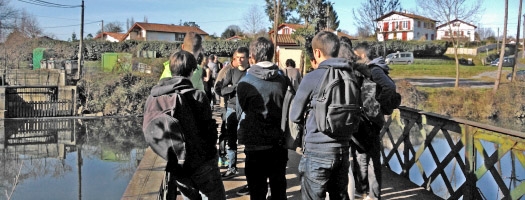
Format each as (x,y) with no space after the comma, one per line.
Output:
(39,101)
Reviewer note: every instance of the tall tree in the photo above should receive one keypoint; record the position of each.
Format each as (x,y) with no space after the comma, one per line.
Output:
(332,21)
(286,9)
(502,52)
(370,10)
(448,10)
(254,20)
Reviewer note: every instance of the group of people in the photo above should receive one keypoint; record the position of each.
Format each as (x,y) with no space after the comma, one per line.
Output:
(253,89)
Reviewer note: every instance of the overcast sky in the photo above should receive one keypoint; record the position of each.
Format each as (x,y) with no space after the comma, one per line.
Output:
(213,16)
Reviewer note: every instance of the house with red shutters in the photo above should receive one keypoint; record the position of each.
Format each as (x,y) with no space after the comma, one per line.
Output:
(405,26)
(458,29)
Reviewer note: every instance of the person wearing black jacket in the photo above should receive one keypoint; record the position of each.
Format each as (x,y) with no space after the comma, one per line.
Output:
(325,161)
(260,96)
(367,164)
(228,91)
(199,177)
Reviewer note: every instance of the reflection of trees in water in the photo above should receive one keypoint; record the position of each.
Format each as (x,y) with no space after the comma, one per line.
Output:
(116,139)
(121,138)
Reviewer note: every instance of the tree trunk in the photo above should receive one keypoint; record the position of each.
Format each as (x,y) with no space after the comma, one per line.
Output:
(515,67)
(502,52)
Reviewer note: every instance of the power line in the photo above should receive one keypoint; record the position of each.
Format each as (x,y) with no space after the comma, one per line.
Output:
(71,25)
(48,4)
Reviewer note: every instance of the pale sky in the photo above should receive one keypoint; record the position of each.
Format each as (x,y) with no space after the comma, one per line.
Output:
(213,16)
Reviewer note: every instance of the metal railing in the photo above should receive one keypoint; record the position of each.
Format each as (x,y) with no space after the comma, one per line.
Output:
(455,158)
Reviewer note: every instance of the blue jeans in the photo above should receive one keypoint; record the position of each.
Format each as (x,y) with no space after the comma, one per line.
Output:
(262,165)
(324,170)
(231,137)
(204,183)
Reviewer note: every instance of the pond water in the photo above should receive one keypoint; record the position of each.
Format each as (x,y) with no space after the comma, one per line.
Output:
(69,158)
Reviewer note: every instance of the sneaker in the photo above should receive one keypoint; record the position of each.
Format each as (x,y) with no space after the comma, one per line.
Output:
(243,191)
(230,173)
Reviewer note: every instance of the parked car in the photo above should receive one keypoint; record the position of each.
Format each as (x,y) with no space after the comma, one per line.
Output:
(520,75)
(400,57)
(507,62)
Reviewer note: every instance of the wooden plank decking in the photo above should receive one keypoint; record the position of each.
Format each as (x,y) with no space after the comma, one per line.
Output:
(147,180)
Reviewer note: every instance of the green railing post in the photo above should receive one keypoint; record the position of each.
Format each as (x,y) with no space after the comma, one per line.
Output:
(470,188)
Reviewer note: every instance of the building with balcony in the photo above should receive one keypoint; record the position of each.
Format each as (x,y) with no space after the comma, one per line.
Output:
(405,26)
(460,30)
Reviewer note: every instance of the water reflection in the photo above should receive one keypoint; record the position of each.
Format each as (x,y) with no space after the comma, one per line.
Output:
(69,158)
(437,148)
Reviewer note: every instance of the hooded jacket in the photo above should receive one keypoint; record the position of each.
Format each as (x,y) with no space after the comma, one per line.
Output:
(386,88)
(304,102)
(260,97)
(200,144)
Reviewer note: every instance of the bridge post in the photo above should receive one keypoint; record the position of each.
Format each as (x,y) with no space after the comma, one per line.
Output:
(470,188)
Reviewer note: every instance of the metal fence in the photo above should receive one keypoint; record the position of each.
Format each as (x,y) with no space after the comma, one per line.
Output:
(43,101)
(455,158)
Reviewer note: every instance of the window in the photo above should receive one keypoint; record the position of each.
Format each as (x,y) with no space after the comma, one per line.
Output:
(418,23)
(405,25)
(446,33)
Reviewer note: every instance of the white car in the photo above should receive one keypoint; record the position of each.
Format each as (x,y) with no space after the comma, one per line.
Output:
(400,58)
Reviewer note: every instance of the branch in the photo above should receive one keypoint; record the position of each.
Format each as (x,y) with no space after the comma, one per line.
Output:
(15,182)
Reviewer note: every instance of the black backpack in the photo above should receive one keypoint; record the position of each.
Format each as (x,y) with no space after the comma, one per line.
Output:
(338,104)
(169,124)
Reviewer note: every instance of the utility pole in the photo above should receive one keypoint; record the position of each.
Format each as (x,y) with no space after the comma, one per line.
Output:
(515,66)
(102,31)
(80,55)
(277,8)
(497,42)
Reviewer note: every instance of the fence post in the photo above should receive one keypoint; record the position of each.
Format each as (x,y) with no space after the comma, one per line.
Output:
(470,188)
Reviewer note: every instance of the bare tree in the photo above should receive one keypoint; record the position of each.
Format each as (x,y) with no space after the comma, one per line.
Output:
(370,10)
(254,20)
(28,25)
(7,18)
(115,27)
(502,52)
(448,10)
(484,32)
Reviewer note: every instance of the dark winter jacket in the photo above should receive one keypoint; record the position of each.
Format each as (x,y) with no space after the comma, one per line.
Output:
(260,96)
(304,103)
(294,76)
(200,147)
(386,88)
(229,85)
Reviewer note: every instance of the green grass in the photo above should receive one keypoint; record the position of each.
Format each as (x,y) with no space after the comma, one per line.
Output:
(438,70)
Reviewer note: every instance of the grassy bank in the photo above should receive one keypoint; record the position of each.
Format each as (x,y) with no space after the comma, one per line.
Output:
(437,70)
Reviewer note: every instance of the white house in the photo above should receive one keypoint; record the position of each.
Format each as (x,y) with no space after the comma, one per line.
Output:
(405,26)
(160,32)
(111,36)
(459,29)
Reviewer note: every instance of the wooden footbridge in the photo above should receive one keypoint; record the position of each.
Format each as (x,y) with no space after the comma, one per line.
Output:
(425,156)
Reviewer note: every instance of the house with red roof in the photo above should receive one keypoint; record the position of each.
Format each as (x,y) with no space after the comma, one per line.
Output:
(287,47)
(405,26)
(111,36)
(160,32)
(459,29)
